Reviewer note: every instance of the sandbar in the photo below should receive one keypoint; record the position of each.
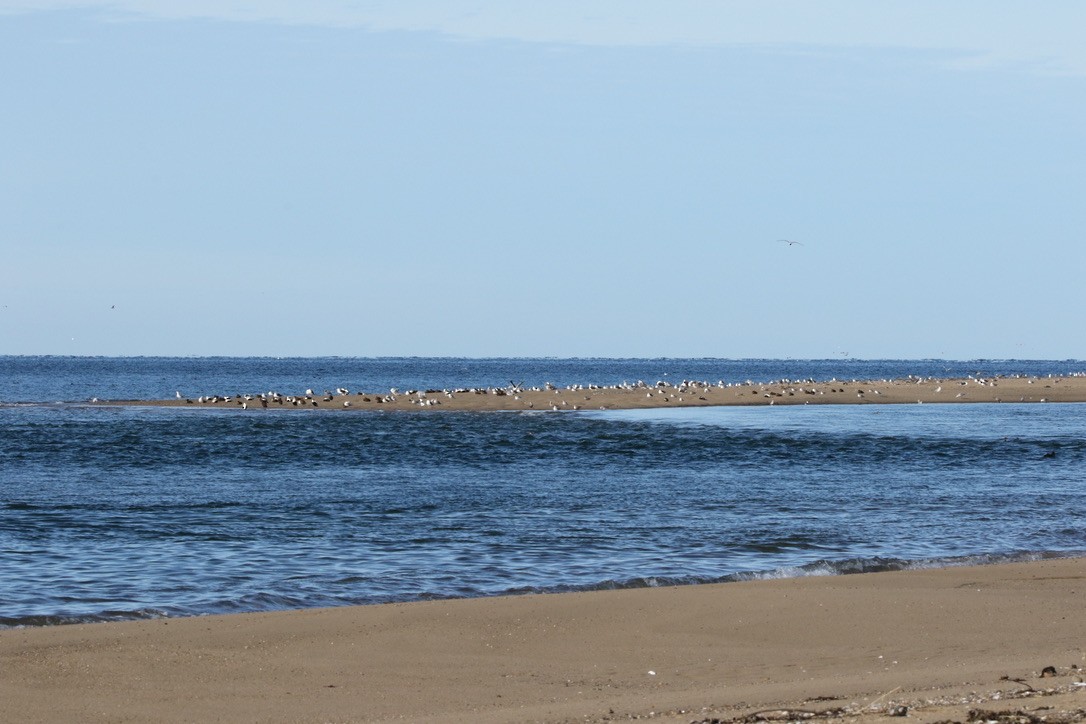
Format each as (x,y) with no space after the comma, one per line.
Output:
(655,394)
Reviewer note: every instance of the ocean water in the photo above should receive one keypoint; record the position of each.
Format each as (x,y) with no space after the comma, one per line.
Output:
(117,513)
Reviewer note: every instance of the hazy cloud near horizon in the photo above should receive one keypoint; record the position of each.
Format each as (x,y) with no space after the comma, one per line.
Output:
(1047,38)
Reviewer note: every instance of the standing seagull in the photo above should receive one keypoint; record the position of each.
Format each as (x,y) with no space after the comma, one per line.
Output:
(790,242)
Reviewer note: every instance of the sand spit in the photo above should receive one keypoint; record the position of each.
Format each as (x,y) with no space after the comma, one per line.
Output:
(641,394)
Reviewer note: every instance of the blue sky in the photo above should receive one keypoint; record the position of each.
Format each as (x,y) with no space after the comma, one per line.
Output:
(543,179)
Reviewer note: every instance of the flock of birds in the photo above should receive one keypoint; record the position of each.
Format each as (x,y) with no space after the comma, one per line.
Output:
(432,397)
(574,397)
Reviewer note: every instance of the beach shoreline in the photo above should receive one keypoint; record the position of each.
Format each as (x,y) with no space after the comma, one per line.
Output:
(650,395)
(938,642)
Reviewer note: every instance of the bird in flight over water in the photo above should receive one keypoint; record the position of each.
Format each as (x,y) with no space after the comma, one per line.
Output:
(790,242)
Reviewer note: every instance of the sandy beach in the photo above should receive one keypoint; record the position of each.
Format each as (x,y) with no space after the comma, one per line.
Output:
(929,644)
(643,394)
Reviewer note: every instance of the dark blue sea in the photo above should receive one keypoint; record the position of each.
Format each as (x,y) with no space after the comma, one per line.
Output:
(129,512)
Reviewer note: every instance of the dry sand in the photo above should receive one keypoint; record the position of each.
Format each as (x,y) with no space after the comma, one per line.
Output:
(938,642)
(652,394)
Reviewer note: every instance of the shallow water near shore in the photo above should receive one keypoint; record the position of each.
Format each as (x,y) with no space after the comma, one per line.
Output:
(113,513)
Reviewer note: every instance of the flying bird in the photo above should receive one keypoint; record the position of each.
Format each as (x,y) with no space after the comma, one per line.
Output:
(790,242)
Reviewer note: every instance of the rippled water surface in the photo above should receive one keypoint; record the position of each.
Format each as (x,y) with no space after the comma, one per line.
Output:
(130,512)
